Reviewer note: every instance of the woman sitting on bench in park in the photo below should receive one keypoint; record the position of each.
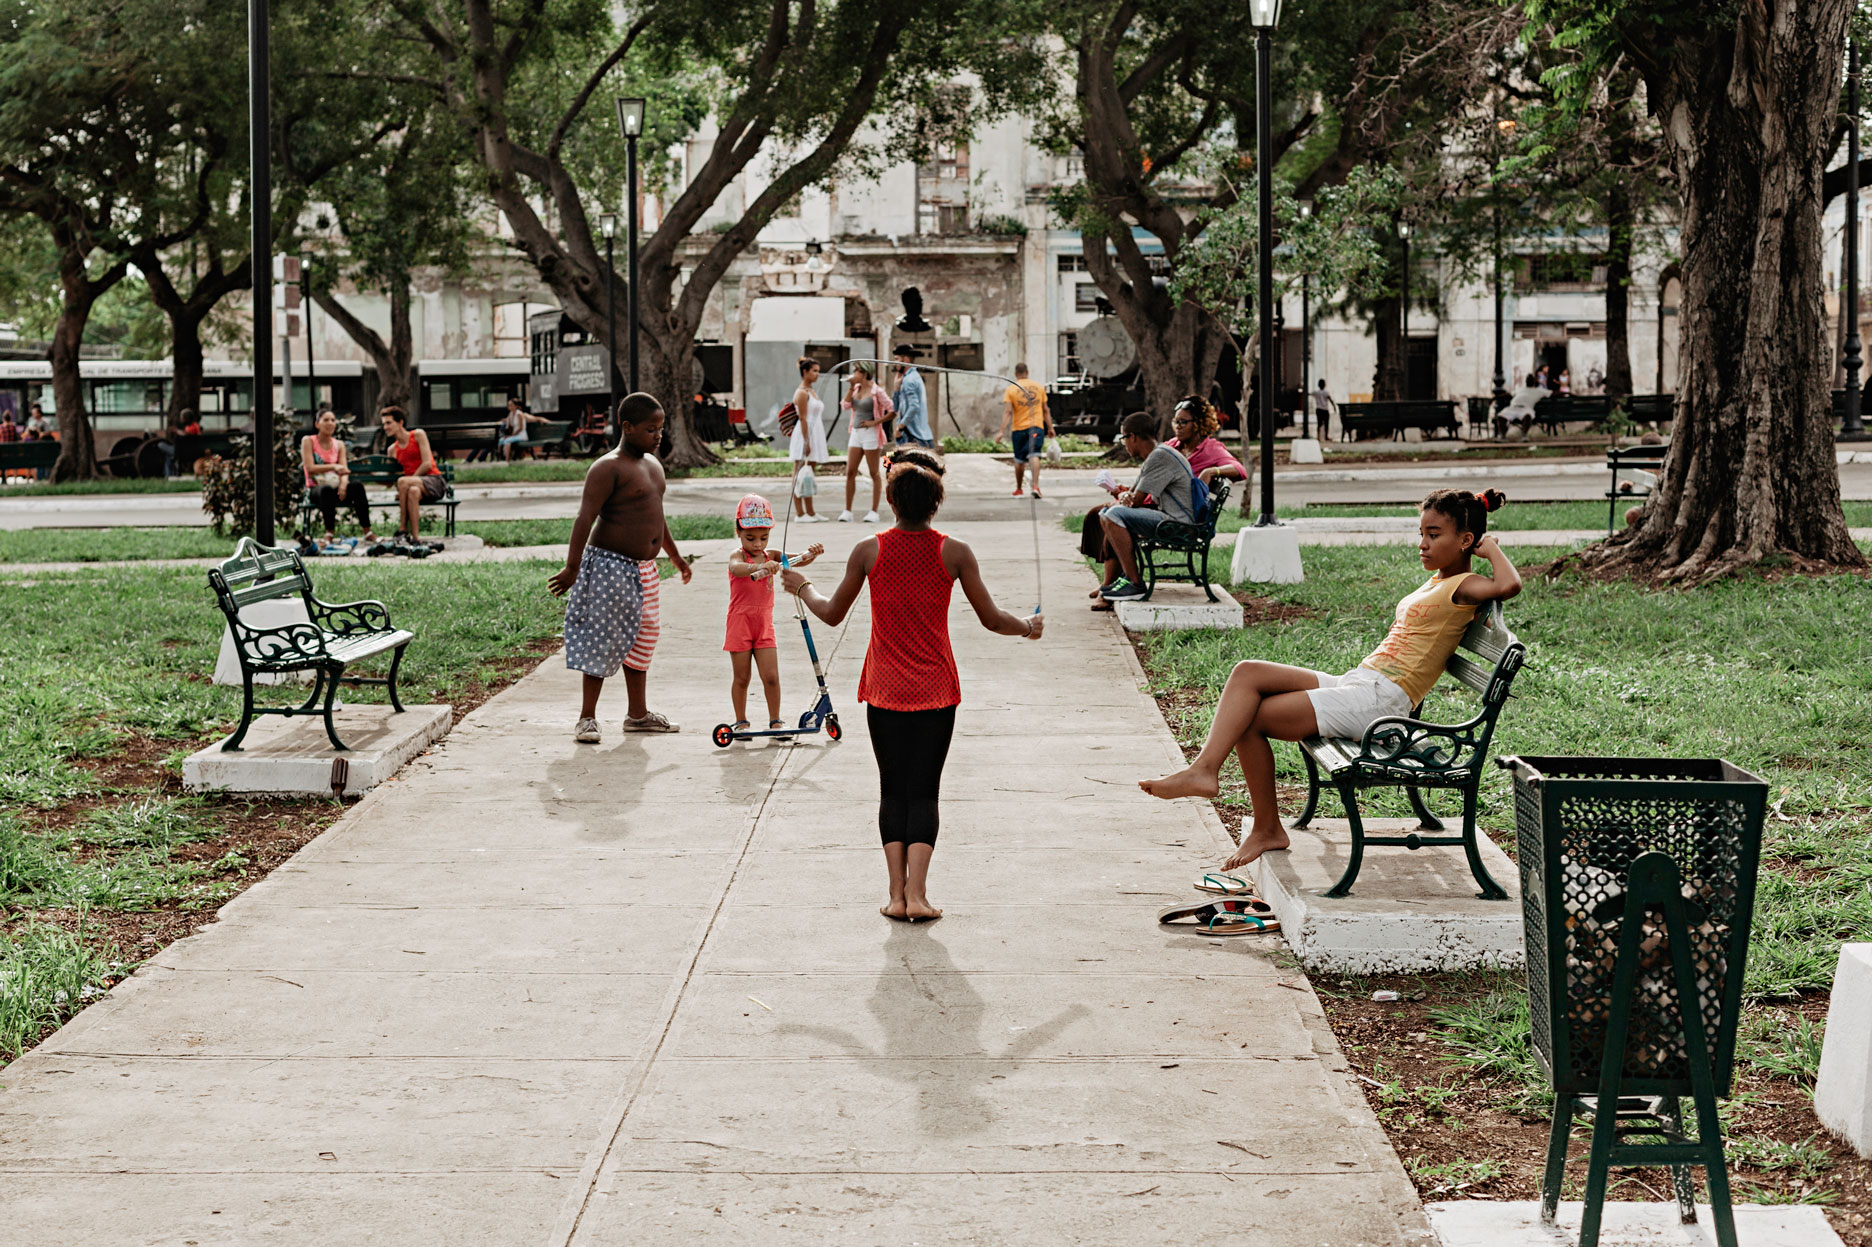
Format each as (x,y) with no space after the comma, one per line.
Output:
(422,481)
(1266,700)
(327,464)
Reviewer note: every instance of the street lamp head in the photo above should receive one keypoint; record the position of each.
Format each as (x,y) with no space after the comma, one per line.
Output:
(630,116)
(607,225)
(1404,230)
(1264,14)
(1306,208)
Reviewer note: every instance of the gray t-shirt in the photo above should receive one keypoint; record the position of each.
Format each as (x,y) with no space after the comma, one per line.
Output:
(1166,477)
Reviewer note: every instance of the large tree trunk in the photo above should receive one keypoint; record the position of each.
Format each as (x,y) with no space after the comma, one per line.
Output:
(395,360)
(186,317)
(1621,223)
(185,348)
(79,293)
(1748,114)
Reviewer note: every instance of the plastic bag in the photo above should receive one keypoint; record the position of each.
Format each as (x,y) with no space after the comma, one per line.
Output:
(805,485)
(1053,451)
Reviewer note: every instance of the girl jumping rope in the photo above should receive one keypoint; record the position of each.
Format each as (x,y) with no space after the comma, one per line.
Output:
(1269,701)
(909,685)
(750,641)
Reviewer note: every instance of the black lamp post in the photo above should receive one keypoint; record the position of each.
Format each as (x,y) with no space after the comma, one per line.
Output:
(1264,15)
(1404,232)
(1306,340)
(607,226)
(259,129)
(1506,127)
(1852,426)
(630,121)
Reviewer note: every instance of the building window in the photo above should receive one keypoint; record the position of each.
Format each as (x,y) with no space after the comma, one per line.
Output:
(1074,263)
(1069,364)
(510,328)
(1085,297)
(943,179)
(1563,272)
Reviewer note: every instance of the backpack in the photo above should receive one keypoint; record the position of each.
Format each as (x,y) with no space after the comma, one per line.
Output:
(789,419)
(1199,491)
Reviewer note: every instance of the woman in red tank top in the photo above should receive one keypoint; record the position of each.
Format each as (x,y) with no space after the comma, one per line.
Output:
(422,481)
(909,686)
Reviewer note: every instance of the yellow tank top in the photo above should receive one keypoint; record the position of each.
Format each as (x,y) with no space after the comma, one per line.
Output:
(1428,627)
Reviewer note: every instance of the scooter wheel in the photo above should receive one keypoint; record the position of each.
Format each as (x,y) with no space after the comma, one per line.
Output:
(832,729)
(723,735)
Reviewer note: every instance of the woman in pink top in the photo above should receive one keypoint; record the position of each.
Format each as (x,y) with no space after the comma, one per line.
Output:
(327,470)
(1197,423)
(909,686)
(1270,701)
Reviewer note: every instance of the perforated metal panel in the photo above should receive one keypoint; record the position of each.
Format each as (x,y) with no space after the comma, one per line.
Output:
(1580,823)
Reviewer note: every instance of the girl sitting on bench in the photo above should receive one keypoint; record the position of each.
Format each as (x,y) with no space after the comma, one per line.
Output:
(1265,700)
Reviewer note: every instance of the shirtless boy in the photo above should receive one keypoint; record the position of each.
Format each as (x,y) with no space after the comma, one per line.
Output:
(612,615)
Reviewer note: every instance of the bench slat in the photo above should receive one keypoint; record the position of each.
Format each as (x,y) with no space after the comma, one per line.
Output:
(266,591)
(1472,675)
(351,649)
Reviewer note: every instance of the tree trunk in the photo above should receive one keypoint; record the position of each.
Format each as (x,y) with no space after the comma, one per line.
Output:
(1388,378)
(185,348)
(1621,223)
(79,293)
(1748,114)
(395,359)
(186,316)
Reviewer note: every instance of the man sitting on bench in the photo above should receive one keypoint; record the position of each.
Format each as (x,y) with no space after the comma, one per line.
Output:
(1165,476)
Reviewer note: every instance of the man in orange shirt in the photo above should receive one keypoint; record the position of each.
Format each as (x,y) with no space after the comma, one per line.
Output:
(1031,423)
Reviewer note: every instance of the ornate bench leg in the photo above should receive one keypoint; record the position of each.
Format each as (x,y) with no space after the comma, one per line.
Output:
(1202,576)
(1491,890)
(1356,857)
(331,695)
(1426,821)
(1556,1158)
(247,715)
(396,660)
(1313,792)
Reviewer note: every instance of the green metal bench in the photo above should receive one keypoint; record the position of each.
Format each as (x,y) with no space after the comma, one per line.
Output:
(335,636)
(548,436)
(371,470)
(1412,754)
(1628,459)
(27,456)
(1190,542)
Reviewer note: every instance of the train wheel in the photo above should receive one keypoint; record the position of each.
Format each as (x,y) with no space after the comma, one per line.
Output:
(724,735)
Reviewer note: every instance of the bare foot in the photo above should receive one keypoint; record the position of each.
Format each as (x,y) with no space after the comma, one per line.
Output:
(1188,782)
(894,911)
(921,911)
(1255,844)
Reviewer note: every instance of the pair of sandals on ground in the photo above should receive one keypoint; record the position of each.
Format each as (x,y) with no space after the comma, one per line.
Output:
(1236,911)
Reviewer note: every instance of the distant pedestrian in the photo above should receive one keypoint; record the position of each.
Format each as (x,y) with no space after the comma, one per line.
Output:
(1565,387)
(37,425)
(911,401)
(9,431)
(1322,406)
(1027,418)
(1540,377)
(808,443)
(870,409)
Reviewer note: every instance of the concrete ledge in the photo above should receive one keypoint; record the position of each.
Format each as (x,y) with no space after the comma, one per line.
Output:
(292,757)
(1269,556)
(1843,1093)
(1484,1223)
(1410,911)
(1179,606)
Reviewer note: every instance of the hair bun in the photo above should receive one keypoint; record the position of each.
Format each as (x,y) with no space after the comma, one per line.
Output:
(1492,499)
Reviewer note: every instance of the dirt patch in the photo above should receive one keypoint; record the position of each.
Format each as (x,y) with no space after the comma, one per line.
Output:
(1260,610)
(1462,1137)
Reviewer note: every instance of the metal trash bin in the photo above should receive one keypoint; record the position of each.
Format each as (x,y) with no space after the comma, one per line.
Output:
(1679,840)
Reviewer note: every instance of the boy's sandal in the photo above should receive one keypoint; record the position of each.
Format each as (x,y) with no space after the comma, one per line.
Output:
(1224,885)
(1218,918)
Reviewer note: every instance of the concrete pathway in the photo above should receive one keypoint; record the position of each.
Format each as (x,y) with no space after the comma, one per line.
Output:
(541,993)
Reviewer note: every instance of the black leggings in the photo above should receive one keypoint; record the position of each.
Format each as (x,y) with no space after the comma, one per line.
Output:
(325,498)
(911,747)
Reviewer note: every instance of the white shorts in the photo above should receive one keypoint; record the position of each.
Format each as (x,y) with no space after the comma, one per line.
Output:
(1345,705)
(867,439)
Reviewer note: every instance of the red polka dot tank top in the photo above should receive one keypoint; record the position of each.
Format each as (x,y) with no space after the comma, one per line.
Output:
(909,665)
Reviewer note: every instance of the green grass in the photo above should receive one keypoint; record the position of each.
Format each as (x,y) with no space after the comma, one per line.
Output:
(104,485)
(558,532)
(46,974)
(1070,444)
(1773,675)
(1515,517)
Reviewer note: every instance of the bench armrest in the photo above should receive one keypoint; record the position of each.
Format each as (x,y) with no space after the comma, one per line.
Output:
(349,618)
(1401,742)
(291,643)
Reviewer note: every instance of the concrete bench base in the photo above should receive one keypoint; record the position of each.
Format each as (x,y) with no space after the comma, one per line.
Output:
(1179,606)
(1843,1094)
(1268,556)
(291,757)
(1484,1223)
(1412,911)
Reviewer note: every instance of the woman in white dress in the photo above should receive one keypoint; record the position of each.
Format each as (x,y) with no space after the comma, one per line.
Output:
(870,409)
(809,442)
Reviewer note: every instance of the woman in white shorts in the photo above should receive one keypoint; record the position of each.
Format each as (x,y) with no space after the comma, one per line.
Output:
(1266,701)
(870,409)
(808,447)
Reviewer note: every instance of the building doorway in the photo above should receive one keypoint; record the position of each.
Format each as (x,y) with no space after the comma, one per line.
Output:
(1420,368)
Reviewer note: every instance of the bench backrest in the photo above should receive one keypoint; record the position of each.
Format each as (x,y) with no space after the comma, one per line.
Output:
(551,431)
(1636,456)
(40,453)
(1218,495)
(257,573)
(378,469)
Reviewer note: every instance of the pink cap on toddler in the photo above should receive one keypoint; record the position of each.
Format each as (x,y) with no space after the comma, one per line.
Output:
(753,512)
